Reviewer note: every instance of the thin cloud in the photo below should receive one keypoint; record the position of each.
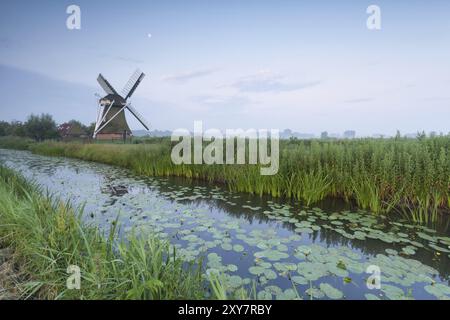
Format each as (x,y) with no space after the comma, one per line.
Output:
(222,101)
(266,81)
(360,100)
(436,98)
(121,58)
(127,59)
(187,76)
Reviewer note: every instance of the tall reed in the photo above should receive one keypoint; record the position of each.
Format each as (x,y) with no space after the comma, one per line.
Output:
(377,174)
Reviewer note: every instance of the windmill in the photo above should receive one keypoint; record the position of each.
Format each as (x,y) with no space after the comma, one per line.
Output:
(111,122)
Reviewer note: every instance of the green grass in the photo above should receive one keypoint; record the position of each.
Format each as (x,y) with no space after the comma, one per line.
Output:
(47,236)
(18,143)
(381,175)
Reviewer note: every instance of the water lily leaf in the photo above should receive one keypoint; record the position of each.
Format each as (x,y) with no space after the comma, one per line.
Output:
(273,290)
(370,296)
(426,236)
(270,274)
(272,255)
(285,267)
(299,280)
(214,257)
(264,295)
(314,293)
(227,246)
(235,281)
(393,293)
(256,270)
(311,271)
(409,250)
(336,270)
(438,290)
(435,247)
(288,294)
(232,268)
(265,265)
(282,247)
(330,291)
(391,252)
(304,230)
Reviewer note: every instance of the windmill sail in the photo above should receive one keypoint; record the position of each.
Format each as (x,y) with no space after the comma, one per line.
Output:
(138,116)
(132,84)
(105,85)
(111,122)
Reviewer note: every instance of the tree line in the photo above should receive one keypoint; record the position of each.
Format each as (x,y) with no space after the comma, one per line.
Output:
(43,127)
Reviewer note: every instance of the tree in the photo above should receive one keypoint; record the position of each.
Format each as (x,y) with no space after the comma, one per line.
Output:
(5,128)
(90,129)
(77,128)
(324,135)
(41,127)
(73,129)
(17,129)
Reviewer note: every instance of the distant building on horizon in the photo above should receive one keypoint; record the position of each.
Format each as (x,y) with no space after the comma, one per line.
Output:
(333,135)
(350,134)
(288,134)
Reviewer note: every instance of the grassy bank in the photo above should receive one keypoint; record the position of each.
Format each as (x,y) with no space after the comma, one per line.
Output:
(47,236)
(410,175)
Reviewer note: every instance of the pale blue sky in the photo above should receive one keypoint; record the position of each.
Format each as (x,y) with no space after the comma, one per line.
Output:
(305,65)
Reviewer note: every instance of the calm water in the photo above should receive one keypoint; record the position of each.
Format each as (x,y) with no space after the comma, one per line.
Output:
(282,248)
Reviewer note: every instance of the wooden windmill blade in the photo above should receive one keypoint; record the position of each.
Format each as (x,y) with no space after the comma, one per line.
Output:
(132,84)
(138,116)
(109,89)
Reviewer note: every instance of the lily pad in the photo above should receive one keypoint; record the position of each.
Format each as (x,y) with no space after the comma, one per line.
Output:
(314,293)
(299,280)
(227,246)
(256,270)
(288,294)
(232,268)
(330,291)
(391,252)
(370,296)
(438,290)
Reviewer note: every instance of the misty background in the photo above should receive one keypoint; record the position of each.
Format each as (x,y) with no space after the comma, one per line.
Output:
(309,66)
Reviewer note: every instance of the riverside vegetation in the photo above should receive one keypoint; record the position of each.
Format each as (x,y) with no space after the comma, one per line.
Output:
(46,236)
(269,247)
(411,176)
